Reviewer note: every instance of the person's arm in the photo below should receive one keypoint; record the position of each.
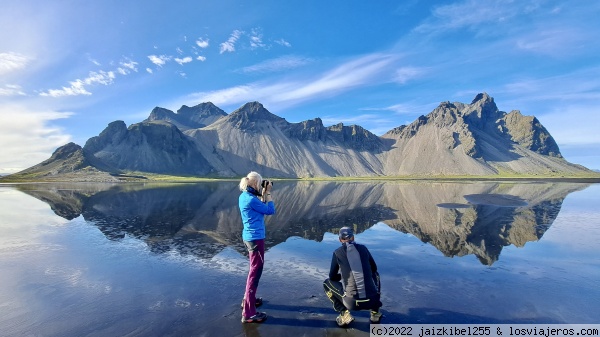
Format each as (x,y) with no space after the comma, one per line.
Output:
(374,272)
(373,264)
(334,274)
(264,208)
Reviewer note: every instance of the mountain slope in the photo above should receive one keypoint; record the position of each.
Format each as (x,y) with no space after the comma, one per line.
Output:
(455,139)
(473,139)
(187,117)
(157,147)
(252,138)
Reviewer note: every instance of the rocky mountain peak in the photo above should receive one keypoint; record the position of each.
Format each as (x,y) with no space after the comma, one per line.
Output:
(307,130)
(187,117)
(251,117)
(355,136)
(482,111)
(161,113)
(530,133)
(200,111)
(65,151)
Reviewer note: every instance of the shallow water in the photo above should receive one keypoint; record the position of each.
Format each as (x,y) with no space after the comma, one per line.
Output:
(167,260)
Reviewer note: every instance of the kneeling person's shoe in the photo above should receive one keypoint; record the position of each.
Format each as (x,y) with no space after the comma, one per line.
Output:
(258,318)
(375,317)
(344,318)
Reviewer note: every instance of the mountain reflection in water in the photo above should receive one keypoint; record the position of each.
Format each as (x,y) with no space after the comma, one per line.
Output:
(202,219)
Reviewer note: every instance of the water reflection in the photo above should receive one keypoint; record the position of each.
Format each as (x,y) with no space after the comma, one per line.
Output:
(202,219)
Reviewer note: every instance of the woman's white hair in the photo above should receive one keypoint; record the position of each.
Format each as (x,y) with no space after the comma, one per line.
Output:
(253,178)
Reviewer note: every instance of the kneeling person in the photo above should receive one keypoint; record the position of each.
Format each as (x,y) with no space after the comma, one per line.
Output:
(361,287)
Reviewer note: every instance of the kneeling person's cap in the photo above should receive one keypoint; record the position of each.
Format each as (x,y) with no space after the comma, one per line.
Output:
(346,233)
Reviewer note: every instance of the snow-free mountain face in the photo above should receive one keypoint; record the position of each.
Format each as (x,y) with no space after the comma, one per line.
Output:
(454,139)
(187,117)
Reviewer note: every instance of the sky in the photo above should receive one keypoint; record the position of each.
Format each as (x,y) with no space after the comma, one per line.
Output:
(69,68)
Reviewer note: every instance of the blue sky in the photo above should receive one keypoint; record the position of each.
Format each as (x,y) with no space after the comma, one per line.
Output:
(68,68)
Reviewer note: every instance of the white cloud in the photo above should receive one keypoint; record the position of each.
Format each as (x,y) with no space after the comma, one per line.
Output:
(573,124)
(149,70)
(468,14)
(10,62)
(559,41)
(277,64)
(405,74)
(283,42)
(28,137)
(179,51)
(11,90)
(361,120)
(355,73)
(94,61)
(352,74)
(256,39)
(129,64)
(202,43)
(234,95)
(229,45)
(406,108)
(78,86)
(159,60)
(184,60)
(201,58)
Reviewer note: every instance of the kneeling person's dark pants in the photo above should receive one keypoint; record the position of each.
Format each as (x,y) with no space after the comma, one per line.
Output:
(335,292)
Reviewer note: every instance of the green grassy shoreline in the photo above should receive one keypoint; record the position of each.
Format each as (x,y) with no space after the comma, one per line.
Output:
(145,177)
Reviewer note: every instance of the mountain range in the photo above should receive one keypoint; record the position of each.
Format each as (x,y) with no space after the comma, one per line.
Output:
(455,139)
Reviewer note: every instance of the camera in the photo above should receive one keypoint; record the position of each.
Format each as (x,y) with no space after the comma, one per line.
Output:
(265,183)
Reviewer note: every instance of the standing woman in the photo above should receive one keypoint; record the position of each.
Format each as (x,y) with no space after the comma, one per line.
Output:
(255,202)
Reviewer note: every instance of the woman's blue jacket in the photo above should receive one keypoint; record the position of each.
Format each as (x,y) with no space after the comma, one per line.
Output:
(253,212)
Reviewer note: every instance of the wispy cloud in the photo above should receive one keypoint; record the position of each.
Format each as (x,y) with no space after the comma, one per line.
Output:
(469,14)
(77,87)
(556,41)
(127,66)
(277,64)
(256,39)
(202,43)
(405,108)
(578,85)
(283,42)
(28,136)
(10,62)
(94,61)
(355,73)
(573,124)
(182,61)
(406,74)
(159,60)
(358,72)
(229,45)
(357,119)
(11,90)
(201,58)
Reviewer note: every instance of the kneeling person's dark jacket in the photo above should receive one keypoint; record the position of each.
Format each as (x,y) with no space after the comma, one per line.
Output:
(359,275)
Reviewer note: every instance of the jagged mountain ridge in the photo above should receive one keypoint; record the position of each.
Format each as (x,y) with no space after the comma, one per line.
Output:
(187,117)
(454,139)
